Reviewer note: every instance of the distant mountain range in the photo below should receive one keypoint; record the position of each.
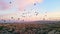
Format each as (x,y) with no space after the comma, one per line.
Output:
(22,21)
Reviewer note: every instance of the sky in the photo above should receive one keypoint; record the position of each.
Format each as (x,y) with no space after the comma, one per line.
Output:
(30,10)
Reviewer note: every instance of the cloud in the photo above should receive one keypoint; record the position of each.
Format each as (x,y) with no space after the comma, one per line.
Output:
(53,15)
(21,4)
(3,5)
(50,16)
